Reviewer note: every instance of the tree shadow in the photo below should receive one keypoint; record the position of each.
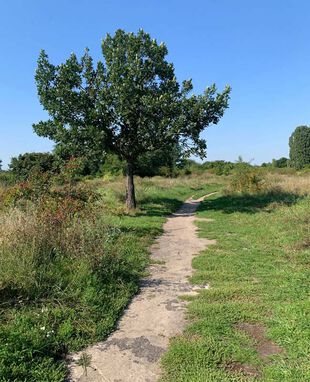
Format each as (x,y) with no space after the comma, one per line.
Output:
(143,231)
(249,203)
(158,206)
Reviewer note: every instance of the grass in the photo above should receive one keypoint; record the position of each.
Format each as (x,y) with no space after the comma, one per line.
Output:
(259,278)
(65,277)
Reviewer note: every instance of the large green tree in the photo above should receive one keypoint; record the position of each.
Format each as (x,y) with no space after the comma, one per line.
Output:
(129,104)
(300,147)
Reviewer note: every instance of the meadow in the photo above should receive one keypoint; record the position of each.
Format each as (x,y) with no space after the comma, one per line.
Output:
(71,258)
(252,323)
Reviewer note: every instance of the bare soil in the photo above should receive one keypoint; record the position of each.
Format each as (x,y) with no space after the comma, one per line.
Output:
(263,345)
(132,352)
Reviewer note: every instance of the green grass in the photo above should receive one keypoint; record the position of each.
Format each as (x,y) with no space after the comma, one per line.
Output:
(63,289)
(259,274)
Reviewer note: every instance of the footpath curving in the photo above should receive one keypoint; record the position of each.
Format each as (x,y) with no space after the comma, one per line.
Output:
(132,352)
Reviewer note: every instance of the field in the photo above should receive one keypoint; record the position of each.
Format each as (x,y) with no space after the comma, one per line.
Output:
(71,258)
(252,324)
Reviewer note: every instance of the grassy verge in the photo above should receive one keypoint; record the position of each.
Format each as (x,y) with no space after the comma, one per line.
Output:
(68,269)
(252,324)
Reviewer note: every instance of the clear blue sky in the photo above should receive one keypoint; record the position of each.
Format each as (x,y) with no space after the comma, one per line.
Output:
(260,47)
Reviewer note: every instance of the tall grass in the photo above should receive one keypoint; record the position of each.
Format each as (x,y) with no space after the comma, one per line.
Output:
(70,260)
(297,183)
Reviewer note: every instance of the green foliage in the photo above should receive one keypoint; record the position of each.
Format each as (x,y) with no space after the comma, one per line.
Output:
(25,164)
(7,179)
(84,361)
(90,158)
(165,162)
(35,187)
(129,105)
(113,165)
(300,147)
(280,163)
(219,167)
(246,179)
(71,171)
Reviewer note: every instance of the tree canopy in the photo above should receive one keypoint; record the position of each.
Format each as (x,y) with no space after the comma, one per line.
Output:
(129,104)
(23,165)
(280,163)
(299,143)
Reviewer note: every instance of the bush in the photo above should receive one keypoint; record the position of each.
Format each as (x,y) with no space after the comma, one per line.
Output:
(33,188)
(219,167)
(71,171)
(280,163)
(26,164)
(7,179)
(246,179)
(66,274)
(112,166)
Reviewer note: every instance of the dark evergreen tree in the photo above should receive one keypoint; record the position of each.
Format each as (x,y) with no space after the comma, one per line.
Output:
(300,147)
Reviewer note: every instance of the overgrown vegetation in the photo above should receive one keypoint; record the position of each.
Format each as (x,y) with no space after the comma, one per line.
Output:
(251,324)
(70,260)
(130,104)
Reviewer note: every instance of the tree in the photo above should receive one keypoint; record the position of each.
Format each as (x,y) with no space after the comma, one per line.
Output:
(23,165)
(160,162)
(129,104)
(91,160)
(299,143)
(280,163)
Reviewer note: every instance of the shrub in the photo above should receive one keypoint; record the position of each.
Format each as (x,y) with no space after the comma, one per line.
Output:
(280,163)
(37,185)
(7,179)
(112,166)
(25,164)
(246,179)
(71,172)
(219,167)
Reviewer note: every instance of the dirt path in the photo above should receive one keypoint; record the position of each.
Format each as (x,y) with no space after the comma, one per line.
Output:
(132,352)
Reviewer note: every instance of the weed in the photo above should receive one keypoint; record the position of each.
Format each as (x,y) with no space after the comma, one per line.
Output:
(70,260)
(84,361)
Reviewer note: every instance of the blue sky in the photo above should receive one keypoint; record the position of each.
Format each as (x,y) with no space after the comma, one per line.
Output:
(259,47)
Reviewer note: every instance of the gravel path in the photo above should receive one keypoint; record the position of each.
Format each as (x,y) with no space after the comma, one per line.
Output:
(132,352)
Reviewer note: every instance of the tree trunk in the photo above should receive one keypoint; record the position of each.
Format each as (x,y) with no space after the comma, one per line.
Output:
(130,190)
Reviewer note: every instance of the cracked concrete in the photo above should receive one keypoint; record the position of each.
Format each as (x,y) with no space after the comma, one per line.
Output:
(132,352)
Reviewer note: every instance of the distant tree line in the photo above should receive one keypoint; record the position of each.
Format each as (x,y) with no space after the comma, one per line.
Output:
(299,145)
(168,161)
